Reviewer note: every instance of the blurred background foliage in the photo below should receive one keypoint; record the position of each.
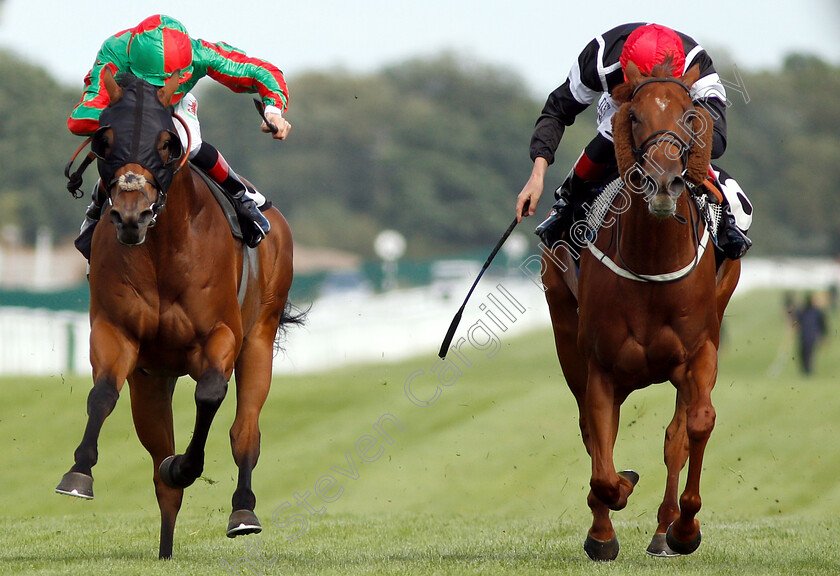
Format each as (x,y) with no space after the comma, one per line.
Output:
(437,149)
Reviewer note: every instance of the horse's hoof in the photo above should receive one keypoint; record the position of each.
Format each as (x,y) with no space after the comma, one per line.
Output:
(76,484)
(659,547)
(682,547)
(243,522)
(171,475)
(630,475)
(601,551)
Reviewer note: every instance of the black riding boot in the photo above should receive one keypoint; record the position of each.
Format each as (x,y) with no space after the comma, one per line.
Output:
(730,239)
(552,229)
(92,216)
(254,224)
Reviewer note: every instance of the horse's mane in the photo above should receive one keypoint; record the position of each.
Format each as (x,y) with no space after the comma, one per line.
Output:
(125,79)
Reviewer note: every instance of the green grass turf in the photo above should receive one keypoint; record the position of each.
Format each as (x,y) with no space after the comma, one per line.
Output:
(489,479)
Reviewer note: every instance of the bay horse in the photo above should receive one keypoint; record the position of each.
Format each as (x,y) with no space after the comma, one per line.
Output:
(173,294)
(647,306)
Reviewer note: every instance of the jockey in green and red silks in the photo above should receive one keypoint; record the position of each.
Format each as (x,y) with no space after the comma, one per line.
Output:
(153,50)
(157,47)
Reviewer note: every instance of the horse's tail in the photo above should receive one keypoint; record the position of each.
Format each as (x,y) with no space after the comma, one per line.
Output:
(292,316)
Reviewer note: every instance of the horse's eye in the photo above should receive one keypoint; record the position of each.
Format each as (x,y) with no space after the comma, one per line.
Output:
(169,148)
(633,118)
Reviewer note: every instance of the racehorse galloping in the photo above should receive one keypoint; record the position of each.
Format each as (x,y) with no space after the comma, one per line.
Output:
(182,298)
(650,306)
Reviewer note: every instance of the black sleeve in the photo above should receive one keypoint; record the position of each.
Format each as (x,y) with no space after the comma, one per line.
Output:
(562,107)
(718,111)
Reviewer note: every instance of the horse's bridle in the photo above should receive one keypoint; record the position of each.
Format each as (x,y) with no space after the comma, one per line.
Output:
(685,148)
(160,201)
(662,136)
(75,179)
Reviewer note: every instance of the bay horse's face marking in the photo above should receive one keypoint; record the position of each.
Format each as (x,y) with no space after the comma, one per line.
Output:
(136,166)
(658,111)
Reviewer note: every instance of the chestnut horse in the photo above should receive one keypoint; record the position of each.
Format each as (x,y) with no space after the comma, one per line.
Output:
(648,306)
(172,294)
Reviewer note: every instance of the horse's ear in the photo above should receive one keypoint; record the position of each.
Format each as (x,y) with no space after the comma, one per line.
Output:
(690,77)
(165,94)
(111,86)
(622,93)
(700,153)
(632,73)
(622,131)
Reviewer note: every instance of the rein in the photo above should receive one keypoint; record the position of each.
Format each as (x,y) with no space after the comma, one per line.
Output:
(626,272)
(74,183)
(699,250)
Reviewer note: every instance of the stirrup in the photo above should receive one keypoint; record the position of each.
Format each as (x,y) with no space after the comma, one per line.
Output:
(734,244)
(256,228)
(551,230)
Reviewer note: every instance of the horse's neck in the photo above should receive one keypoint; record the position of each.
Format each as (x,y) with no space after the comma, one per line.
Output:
(652,245)
(182,204)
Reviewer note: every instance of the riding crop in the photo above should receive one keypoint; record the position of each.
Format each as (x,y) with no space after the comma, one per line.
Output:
(447,340)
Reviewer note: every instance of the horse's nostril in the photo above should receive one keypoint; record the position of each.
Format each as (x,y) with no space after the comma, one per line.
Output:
(146,218)
(676,186)
(116,218)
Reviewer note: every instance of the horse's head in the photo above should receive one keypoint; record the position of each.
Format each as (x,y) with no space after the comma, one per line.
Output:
(137,150)
(661,139)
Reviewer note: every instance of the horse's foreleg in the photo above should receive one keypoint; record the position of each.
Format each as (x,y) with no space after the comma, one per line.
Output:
(210,390)
(253,380)
(151,408)
(112,356)
(602,409)
(610,490)
(684,534)
(676,454)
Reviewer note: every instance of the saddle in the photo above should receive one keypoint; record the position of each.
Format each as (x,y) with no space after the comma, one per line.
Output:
(223,200)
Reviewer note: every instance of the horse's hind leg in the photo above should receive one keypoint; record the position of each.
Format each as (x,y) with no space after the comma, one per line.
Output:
(211,384)
(253,380)
(151,407)
(683,536)
(111,356)
(676,454)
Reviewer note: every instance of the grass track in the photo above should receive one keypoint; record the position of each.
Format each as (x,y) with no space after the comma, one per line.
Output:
(490,479)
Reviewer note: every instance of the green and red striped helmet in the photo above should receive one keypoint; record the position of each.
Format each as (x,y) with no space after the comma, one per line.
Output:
(158,47)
